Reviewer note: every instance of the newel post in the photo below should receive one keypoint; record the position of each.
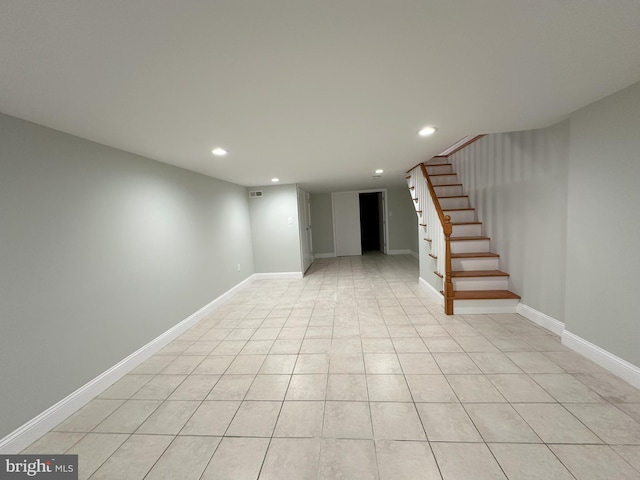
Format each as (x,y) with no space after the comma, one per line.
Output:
(448,282)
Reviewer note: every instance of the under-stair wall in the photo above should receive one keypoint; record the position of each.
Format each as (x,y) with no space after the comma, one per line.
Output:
(517,182)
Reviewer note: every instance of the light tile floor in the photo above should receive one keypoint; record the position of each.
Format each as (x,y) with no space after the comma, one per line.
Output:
(354,373)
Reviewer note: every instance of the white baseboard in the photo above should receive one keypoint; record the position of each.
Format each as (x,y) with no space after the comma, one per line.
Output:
(324,255)
(414,254)
(431,290)
(616,365)
(405,251)
(28,433)
(542,319)
(277,276)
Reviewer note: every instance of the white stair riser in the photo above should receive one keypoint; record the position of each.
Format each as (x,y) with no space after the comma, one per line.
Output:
(468,246)
(444,179)
(463,307)
(481,283)
(439,169)
(459,202)
(473,230)
(470,264)
(460,216)
(447,191)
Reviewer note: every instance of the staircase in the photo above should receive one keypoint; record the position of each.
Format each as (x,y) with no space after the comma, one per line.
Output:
(479,286)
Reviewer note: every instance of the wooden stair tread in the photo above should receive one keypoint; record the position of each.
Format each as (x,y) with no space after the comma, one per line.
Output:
(456,209)
(466,223)
(474,255)
(448,185)
(479,273)
(441,174)
(484,295)
(453,196)
(461,239)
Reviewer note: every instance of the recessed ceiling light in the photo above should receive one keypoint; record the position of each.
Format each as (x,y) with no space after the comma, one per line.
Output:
(426,131)
(275,180)
(219,152)
(379,171)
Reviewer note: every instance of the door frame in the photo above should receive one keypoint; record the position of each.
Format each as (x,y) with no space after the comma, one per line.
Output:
(385,215)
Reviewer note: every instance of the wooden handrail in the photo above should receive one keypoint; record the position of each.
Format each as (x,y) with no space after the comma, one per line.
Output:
(447,228)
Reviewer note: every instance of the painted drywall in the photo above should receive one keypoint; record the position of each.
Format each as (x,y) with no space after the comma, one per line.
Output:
(518,184)
(403,221)
(322,224)
(603,228)
(274,229)
(403,224)
(100,252)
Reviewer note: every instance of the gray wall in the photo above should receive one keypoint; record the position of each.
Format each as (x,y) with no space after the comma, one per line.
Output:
(276,243)
(603,240)
(403,224)
(518,184)
(403,221)
(322,223)
(100,252)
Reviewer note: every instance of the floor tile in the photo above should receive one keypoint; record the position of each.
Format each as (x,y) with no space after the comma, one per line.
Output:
(268,387)
(534,362)
(347,387)
(554,424)
(300,419)
(307,387)
(127,386)
(169,418)
(159,387)
(566,388)
(447,422)
(129,416)
(401,460)
(246,365)
(478,463)
(494,362)
(53,442)
(183,365)
(352,459)
(134,458)
(529,462)
(211,418)
(430,388)
(231,387)
(214,365)
(418,363)
(594,462)
(346,363)
(292,458)
(388,388)
(278,364)
(396,421)
(312,363)
(520,388)
(93,450)
(456,363)
(382,363)
(186,458)
(631,453)
(474,388)
(347,420)
(237,458)
(195,387)
(499,422)
(609,423)
(89,416)
(255,419)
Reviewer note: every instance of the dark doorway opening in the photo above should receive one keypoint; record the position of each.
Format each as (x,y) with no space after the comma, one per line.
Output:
(371,223)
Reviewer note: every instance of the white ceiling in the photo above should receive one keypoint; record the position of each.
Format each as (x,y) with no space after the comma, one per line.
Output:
(319,93)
